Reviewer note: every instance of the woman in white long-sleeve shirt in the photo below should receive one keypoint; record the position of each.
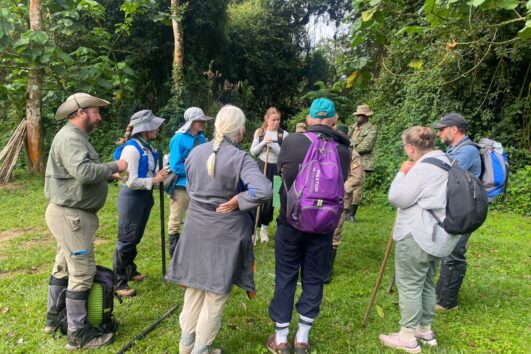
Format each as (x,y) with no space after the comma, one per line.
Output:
(266,145)
(420,242)
(136,195)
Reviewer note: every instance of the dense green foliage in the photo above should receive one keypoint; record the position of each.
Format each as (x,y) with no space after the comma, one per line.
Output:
(491,318)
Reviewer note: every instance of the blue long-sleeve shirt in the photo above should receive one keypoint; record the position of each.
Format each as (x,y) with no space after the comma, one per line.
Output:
(180,146)
(467,156)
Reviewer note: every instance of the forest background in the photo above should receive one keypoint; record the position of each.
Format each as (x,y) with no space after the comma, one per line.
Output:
(411,61)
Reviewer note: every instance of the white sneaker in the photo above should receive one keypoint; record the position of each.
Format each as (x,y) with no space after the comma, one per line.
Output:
(263,234)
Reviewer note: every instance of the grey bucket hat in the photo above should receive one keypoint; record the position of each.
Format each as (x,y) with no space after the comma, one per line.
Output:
(144,121)
(191,115)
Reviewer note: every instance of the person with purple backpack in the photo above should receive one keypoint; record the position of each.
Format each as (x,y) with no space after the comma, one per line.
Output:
(313,166)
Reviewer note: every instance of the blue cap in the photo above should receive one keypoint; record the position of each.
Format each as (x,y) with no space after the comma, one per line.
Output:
(322,108)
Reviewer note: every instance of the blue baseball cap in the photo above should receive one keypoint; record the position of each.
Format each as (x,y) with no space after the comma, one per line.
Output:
(322,108)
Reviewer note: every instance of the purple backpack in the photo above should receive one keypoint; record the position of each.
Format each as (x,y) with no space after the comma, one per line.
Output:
(315,199)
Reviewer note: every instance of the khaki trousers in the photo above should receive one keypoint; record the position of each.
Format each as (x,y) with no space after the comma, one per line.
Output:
(178,206)
(74,230)
(200,319)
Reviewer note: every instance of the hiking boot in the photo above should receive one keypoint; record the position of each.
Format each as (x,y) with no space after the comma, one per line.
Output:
(138,277)
(126,292)
(440,308)
(394,340)
(56,315)
(351,214)
(88,337)
(273,347)
(427,338)
(301,348)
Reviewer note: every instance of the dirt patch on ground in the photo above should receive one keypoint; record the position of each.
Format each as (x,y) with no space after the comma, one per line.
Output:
(12,186)
(34,243)
(101,241)
(11,234)
(31,270)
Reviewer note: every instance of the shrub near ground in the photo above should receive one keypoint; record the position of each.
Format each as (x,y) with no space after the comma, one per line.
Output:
(494,302)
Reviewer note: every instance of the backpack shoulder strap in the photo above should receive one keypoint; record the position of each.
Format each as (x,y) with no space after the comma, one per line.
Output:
(466,143)
(437,162)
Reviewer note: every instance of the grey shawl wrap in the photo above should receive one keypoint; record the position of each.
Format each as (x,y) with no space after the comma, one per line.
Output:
(215,250)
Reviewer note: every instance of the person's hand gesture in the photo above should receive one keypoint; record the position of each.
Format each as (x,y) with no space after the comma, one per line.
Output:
(159,177)
(406,166)
(229,206)
(122,165)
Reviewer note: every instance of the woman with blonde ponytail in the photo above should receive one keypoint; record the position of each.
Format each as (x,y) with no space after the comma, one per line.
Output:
(266,147)
(215,250)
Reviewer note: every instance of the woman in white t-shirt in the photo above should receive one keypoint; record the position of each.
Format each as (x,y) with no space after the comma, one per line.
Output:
(266,145)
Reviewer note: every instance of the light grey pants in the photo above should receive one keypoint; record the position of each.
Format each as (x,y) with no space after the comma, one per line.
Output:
(415,278)
(75,231)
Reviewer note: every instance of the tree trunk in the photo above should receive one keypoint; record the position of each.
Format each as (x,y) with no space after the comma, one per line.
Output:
(177,34)
(33,100)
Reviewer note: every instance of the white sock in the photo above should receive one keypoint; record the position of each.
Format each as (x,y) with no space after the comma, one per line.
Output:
(407,334)
(263,228)
(305,324)
(424,328)
(281,332)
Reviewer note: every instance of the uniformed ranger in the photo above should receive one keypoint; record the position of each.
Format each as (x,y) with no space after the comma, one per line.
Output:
(355,179)
(362,138)
(76,188)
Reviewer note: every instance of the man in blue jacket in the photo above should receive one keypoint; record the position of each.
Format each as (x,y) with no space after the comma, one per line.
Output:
(452,129)
(185,139)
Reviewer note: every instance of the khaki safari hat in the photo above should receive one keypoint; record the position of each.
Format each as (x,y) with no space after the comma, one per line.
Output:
(77,101)
(364,110)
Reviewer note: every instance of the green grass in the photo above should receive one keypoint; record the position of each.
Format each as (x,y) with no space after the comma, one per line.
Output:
(494,304)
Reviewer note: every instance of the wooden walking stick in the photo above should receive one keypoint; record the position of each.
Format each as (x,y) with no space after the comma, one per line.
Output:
(257,220)
(380,275)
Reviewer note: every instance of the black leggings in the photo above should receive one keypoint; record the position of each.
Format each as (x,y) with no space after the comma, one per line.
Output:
(267,210)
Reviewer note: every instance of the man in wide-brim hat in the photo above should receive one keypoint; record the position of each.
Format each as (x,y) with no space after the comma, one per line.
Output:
(76,188)
(362,139)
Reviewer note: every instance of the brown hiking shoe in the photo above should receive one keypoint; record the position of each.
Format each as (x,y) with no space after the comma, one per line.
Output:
(273,347)
(301,348)
(128,292)
(138,278)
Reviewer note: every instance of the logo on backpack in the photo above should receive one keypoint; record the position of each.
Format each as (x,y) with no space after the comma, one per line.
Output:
(466,200)
(315,199)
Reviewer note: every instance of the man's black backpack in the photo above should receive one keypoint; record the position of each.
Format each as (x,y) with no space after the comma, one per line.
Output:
(466,200)
(101,300)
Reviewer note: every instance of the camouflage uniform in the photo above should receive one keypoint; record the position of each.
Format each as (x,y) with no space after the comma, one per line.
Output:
(354,182)
(362,140)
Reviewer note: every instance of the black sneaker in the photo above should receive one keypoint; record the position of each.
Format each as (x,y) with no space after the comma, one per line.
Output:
(88,337)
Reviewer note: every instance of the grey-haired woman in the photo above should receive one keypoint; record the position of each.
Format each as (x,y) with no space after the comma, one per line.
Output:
(215,250)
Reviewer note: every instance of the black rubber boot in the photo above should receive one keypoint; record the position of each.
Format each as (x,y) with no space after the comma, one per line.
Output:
(56,316)
(174,238)
(328,279)
(351,214)
(80,333)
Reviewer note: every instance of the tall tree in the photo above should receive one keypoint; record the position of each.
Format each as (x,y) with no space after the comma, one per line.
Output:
(34,98)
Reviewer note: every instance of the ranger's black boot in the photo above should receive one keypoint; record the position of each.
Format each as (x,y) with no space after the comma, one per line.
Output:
(351,214)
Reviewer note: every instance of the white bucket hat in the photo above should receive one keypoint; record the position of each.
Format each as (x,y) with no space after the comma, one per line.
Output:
(144,121)
(77,101)
(191,115)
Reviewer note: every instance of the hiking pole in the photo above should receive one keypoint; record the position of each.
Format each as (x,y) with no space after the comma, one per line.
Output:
(162,230)
(147,330)
(380,275)
(259,209)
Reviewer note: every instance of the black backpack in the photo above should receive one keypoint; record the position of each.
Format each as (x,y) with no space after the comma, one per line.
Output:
(101,300)
(466,200)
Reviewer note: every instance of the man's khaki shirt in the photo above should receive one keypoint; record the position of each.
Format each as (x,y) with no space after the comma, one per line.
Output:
(362,140)
(74,176)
